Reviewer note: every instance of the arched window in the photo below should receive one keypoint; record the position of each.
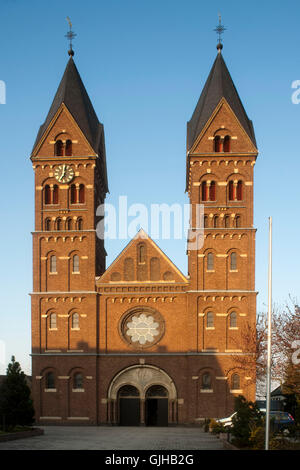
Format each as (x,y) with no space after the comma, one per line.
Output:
(209,320)
(210,262)
(217,143)
(75,264)
(47,194)
(78,381)
(233,320)
(226,144)
(55,194)
(235,382)
(48,225)
(206,381)
(50,380)
(75,321)
(212,191)
(239,191)
(81,194)
(227,221)
(58,148)
(53,321)
(233,261)
(53,264)
(68,151)
(231,191)
(58,224)
(205,221)
(216,221)
(141,253)
(69,224)
(73,194)
(204,191)
(238,221)
(79,224)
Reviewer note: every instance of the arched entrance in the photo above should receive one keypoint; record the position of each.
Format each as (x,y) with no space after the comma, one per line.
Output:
(148,392)
(129,406)
(156,406)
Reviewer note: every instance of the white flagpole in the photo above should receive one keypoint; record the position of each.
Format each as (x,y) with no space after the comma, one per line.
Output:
(268,395)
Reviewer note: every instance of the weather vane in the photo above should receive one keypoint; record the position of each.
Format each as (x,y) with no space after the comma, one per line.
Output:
(70,35)
(220,30)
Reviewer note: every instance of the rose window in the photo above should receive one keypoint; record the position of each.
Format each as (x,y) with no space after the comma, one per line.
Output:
(142,327)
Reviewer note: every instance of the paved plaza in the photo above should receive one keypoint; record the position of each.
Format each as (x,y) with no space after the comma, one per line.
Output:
(117,438)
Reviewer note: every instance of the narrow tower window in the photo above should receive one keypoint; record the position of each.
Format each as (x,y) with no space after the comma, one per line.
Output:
(216,221)
(58,148)
(212,191)
(55,194)
(68,152)
(48,225)
(226,144)
(233,320)
(47,194)
(206,381)
(210,262)
(238,221)
(73,194)
(50,380)
(209,320)
(227,221)
(53,264)
(239,192)
(75,264)
(204,189)
(81,194)
(231,191)
(80,224)
(53,321)
(75,321)
(78,381)
(217,143)
(235,382)
(233,261)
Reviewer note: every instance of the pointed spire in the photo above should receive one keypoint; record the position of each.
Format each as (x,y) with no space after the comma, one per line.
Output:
(72,93)
(219,85)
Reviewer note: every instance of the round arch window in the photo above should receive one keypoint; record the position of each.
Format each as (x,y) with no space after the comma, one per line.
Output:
(142,327)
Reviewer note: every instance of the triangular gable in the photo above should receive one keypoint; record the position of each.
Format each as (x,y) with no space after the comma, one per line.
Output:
(154,266)
(216,120)
(63,119)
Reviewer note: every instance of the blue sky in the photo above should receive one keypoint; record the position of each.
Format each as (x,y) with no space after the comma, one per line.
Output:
(144,64)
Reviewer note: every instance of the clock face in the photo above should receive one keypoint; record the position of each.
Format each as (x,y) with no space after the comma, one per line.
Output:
(64,173)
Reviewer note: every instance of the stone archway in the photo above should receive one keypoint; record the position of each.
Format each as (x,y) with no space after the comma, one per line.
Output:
(142,377)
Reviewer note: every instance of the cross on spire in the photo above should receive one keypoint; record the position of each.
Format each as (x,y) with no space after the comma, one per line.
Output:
(220,30)
(70,35)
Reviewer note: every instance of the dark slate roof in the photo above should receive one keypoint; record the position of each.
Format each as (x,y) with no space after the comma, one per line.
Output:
(72,93)
(219,84)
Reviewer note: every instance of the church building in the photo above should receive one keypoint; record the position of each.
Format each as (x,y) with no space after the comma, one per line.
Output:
(140,342)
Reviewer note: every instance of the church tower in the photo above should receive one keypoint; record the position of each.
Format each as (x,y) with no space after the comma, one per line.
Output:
(221,154)
(69,163)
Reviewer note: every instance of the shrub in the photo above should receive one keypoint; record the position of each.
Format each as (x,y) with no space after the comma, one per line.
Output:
(247,418)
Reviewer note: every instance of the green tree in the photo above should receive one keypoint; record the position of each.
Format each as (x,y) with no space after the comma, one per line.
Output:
(246,419)
(16,406)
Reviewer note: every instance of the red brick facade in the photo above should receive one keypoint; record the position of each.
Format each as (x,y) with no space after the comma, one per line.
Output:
(141,323)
